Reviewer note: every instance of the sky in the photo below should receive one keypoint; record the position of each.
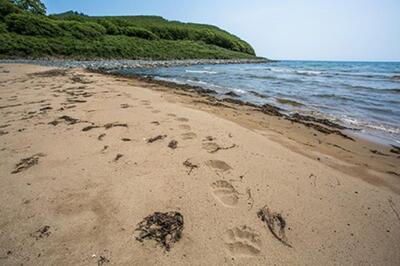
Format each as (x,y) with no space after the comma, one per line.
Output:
(351,30)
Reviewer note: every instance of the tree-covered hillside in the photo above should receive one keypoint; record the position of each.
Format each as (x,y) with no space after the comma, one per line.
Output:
(26,32)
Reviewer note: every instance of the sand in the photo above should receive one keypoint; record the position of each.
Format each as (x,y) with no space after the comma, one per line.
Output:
(91,174)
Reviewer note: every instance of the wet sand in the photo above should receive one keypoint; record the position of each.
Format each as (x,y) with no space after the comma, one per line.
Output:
(85,157)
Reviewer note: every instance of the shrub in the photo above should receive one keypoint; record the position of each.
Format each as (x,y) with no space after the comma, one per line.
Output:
(110,27)
(26,24)
(82,30)
(15,45)
(3,28)
(140,33)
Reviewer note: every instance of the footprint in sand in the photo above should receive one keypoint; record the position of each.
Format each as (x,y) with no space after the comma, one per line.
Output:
(189,135)
(242,242)
(225,193)
(185,127)
(218,165)
(210,146)
(171,115)
(182,119)
(156,111)
(149,107)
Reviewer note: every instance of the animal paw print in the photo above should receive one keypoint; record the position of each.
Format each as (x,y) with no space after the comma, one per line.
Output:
(242,242)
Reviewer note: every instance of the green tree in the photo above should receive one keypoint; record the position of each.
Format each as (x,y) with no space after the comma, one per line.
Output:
(33,6)
(6,8)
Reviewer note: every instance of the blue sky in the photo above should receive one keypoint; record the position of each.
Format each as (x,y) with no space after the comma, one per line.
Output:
(367,30)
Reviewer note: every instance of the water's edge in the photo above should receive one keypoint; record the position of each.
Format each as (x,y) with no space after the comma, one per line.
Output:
(122,67)
(132,64)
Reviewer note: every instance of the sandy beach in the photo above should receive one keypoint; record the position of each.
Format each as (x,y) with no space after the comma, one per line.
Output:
(85,157)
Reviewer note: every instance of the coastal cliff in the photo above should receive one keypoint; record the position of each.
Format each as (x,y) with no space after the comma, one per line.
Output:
(24,34)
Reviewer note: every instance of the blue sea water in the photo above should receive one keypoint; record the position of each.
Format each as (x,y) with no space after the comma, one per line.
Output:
(363,95)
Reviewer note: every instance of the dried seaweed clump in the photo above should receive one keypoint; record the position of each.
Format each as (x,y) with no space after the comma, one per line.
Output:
(65,119)
(173,144)
(153,139)
(27,163)
(42,232)
(165,228)
(276,224)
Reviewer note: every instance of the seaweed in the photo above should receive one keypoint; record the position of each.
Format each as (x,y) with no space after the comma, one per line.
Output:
(276,224)
(102,260)
(159,137)
(117,157)
(111,125)
(164,228)
(395,149)
(173,144)
(322,121)
(42,232)
(270,110)
(27,163)
(66,119)
(101,136)
(89,128)
(378,152)
(189,165)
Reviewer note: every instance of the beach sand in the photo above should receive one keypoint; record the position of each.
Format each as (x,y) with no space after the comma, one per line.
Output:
(90,175)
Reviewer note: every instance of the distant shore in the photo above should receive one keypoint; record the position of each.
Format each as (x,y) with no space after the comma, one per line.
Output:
(123,64)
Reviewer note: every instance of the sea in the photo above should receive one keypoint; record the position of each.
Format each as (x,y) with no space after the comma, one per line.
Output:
(360,95)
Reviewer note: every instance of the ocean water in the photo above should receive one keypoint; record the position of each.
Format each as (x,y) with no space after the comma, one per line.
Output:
(362,95)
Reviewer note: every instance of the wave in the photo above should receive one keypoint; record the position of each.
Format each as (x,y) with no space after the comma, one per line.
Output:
(377,109)
(392,90)
(375,126)
(240,91)
(201,71)
(366,75)
(367,88)
(274,78)
(294,71)
(330,73)
(331,96)
(289,102)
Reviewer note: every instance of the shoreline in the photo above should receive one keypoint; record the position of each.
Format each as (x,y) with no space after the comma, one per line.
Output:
(123,64)
(85,157)
(111,66)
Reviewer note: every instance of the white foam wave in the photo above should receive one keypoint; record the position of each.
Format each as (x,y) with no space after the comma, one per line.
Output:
(308,72)
(290,71)
(364,124)
(240,91)
(201,71)
(197,82)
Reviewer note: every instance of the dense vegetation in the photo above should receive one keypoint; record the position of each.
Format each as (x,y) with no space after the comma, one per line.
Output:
(26,32)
